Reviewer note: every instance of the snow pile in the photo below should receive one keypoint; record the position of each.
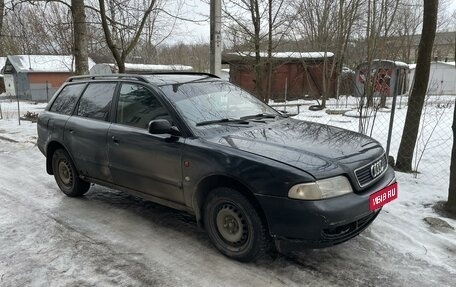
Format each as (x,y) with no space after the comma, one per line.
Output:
(150,67)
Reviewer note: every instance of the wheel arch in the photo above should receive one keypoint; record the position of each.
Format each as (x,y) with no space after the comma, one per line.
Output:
(50,149)
(209,183)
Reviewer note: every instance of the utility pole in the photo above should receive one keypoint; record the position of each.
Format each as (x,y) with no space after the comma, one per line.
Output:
(216,37)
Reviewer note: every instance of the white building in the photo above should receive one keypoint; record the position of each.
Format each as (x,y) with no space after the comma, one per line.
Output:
(442,78)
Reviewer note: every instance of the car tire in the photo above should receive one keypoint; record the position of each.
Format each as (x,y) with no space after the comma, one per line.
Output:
(66,176)
(316,108)
(235,226)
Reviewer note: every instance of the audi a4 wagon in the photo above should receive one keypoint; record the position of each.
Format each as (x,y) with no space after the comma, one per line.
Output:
(255,179)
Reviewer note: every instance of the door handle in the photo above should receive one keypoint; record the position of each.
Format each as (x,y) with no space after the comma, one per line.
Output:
(71,131)
(115,140)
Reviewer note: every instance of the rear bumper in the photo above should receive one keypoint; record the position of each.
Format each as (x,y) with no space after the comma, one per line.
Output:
(321,223)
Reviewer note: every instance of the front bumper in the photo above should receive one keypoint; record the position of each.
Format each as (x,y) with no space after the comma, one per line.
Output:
(320,223)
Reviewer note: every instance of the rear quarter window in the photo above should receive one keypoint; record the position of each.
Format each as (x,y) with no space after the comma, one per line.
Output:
(66,99)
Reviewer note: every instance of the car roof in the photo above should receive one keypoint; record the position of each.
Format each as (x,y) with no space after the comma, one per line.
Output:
(156,78)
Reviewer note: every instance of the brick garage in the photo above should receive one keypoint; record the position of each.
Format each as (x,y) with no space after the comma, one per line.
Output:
(299,75)
(37,77)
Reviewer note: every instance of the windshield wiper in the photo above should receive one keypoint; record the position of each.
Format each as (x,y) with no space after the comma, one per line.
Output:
(221,121)
(260,116)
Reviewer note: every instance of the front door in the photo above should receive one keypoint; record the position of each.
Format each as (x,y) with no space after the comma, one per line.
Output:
(137,159)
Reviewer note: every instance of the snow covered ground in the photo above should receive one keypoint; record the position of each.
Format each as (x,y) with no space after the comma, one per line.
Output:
(109,238)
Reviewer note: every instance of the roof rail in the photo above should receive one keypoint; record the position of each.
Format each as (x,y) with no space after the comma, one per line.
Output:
(139,77)
(180,73)
(112,76)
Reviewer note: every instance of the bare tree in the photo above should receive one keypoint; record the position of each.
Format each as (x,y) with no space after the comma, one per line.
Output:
(2,9)
(380,20)
(256,26)
(47,26)
(409,19)
(327,26)
(416,100)
(253,30)
(194,55)
(123,27)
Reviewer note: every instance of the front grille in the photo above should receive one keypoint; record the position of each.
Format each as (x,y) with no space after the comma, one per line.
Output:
(363,174)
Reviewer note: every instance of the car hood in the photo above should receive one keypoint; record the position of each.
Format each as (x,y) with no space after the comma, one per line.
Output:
(318,149)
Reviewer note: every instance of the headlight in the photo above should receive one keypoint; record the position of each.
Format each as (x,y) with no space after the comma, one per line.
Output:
(326,188)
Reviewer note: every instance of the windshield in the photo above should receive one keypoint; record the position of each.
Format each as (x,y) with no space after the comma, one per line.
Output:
(206,104)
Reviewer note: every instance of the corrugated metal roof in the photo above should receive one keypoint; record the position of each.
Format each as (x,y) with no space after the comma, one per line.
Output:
(44,63)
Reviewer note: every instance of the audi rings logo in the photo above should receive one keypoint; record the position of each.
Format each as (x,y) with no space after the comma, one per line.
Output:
(376,169)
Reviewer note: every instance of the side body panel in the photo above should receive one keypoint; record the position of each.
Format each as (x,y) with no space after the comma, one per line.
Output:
(86,141)
(144,162)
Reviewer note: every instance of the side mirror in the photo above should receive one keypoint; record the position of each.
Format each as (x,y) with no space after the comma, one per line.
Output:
(162,126)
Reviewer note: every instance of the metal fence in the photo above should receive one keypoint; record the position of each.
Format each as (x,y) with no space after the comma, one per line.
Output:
(432,154)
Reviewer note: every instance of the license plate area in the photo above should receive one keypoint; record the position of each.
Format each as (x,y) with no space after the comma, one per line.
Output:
(382,197)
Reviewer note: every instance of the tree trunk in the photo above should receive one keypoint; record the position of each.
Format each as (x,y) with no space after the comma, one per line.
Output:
(416,101)
(80,44)
(2,8)
(255,13)
(451,204)
(269,80)
(121,66)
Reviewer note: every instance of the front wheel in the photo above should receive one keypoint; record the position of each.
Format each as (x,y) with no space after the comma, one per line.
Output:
(66,176)
(235,226)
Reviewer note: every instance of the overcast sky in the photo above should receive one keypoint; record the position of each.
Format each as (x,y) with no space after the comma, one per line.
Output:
(192,31)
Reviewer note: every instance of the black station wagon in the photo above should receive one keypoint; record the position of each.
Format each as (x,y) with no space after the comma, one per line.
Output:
(254,178)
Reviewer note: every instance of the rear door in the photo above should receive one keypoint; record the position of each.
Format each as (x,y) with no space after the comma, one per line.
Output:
(86,130)
(139,160)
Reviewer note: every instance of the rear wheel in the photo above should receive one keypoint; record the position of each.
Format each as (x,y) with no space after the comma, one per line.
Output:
(235,226)
(66,176)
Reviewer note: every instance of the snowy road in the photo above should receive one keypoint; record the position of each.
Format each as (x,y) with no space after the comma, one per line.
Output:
(110,238)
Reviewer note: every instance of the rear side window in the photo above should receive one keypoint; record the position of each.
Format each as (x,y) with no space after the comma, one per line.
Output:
(66,100)
(96,101)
